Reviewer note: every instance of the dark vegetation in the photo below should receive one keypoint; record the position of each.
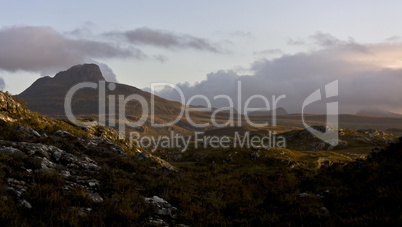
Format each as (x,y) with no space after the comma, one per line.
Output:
(262,192)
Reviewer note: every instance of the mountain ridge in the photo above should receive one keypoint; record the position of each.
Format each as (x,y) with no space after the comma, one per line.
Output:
(378,112)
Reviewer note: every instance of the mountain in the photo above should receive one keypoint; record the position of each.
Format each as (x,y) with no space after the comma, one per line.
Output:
(47,95)
(378,112)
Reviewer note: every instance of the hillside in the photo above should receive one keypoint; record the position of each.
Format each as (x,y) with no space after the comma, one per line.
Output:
(91,176)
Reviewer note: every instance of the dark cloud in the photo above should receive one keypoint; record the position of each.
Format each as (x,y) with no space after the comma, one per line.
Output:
(165,39)
(370,78)
(44,50)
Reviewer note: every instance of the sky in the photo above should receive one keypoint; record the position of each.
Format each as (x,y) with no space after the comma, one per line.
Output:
(206,47)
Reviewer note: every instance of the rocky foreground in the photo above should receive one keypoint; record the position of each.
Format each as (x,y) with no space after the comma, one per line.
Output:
(73,161)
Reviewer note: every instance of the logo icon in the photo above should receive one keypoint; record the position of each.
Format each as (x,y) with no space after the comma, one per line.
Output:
(331,133)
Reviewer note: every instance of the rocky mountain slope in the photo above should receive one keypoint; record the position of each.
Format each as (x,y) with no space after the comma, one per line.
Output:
(46,96)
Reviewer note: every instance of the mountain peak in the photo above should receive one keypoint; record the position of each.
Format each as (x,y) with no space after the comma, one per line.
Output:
(80,73)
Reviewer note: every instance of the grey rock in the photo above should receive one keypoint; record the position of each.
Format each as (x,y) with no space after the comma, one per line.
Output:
(163,207)
(27,131)
(95,197)
(303,194)
(158,222)
(57,155)
(65,174)
(47,165)
(25,204)
(324,210)
(142,156)
(93,183)
(10,150)
(96,141)
(68,135)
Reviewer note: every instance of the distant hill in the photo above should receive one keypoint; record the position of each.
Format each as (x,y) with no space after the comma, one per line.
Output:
(263,112)
(378,112)
(203,108)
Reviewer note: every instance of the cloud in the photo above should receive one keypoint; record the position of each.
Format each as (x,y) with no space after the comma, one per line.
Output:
(2,84)
(165,39)
(325,39)
(369,78)
(268,52)
(295,42)
(84,31)
(160,58)
(242,34)
(394,39)
(107,72)
(44,50)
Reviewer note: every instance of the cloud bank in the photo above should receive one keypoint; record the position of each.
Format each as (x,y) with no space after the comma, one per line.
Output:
(44,50)
(369,75)
(165,39)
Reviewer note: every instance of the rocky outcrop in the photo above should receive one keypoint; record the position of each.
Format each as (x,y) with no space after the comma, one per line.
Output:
(73,156)
(75,160)
(77,171)
(165,212)
(27,132)
(11,109)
